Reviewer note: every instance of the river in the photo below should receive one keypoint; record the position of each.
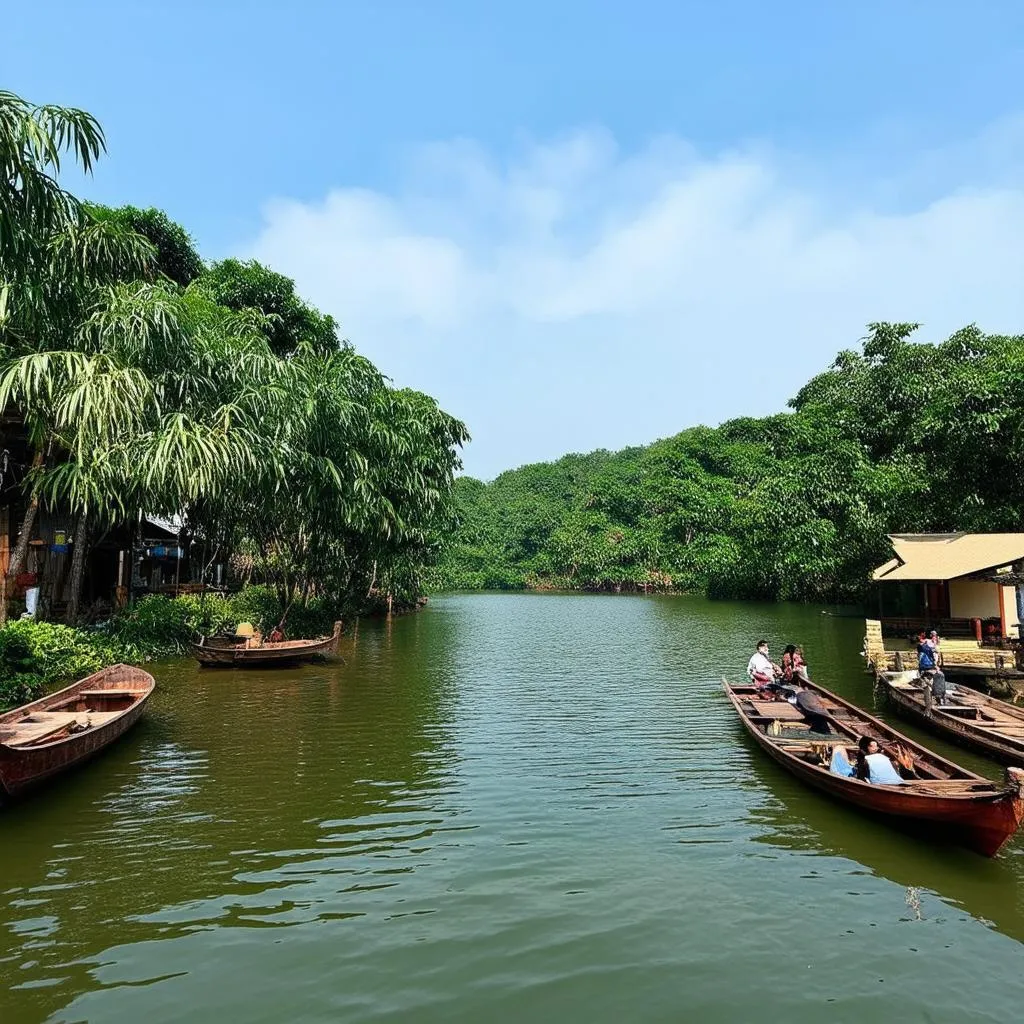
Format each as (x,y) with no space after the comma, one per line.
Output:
(504,808)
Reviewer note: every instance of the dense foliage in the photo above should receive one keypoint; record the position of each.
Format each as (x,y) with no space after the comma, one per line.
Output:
(897,437)
(148,382)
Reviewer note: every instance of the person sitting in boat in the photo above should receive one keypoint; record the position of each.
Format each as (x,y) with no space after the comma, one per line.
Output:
(810,705)
(276,636)
(871,764)
(761,670)
(793,665)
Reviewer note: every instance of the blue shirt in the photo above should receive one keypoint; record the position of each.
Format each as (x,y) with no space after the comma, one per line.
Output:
(925,655)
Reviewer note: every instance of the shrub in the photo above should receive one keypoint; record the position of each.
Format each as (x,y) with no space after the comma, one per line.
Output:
(258,605)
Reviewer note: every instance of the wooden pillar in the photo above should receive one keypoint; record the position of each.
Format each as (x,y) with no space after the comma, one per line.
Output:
(1002,610)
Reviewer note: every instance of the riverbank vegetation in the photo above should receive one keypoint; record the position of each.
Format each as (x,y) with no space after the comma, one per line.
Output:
(35,656)
(138,378)
(895,437)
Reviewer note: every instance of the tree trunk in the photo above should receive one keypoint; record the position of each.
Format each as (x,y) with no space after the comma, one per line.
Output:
(81,543)
(20,553)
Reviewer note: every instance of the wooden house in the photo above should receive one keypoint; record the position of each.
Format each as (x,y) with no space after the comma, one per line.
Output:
(969,587)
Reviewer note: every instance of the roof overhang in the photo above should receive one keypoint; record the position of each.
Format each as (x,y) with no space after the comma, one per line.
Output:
(937,558)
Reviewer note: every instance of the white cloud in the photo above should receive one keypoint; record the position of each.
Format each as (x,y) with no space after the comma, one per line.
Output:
(579,297)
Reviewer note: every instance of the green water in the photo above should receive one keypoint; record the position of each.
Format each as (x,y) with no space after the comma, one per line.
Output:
(505,808)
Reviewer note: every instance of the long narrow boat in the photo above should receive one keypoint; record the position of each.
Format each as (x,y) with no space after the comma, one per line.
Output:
(972,810)
(967,717)
(55,733)
(216,651)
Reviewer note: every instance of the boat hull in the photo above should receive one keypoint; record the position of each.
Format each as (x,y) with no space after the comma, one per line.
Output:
(982,821)
(23,767)
(960,732)
(213,653)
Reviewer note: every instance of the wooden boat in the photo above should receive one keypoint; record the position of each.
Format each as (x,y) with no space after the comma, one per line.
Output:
(972,810)
(226,651)
(50,735)
(970,718)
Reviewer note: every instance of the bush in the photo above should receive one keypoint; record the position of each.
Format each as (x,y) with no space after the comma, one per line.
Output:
(258,605)
(34,655)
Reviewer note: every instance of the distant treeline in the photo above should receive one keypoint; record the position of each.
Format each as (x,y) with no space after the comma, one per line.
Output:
(899,437)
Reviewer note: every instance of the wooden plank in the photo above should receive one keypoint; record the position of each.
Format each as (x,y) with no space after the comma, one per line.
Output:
(108,693)
(776,709)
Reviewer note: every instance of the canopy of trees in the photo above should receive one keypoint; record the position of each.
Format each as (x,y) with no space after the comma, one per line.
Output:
(897,437)
(149,381)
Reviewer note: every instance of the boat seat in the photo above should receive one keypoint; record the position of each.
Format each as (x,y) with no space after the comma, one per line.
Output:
(776,709)
(37,726)
(108,693)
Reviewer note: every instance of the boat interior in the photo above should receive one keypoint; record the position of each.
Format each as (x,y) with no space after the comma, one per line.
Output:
(988,715)
(86,709)
(785,727)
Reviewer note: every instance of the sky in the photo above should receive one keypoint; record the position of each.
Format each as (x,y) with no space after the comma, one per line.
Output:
(578,225)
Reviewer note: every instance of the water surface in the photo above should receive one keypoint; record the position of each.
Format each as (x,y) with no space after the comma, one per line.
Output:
(506,807)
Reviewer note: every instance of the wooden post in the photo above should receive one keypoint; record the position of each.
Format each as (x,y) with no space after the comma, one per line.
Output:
(177,567)
(1002,610)
(927,686)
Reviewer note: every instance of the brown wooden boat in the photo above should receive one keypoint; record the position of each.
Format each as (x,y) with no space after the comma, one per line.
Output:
(228,651)
(972,810)
(967,717)
(50,735)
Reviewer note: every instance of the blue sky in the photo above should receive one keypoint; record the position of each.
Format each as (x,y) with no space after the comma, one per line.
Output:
(578,225)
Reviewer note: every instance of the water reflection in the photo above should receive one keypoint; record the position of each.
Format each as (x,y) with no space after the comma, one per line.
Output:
(247,799)
(951,880)
(508,806)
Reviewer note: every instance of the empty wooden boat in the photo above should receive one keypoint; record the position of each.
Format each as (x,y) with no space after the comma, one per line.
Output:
(970,809)
(55,733)
(972,719)
(232,651)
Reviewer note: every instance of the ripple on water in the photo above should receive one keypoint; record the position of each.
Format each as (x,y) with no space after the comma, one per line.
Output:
(507,806)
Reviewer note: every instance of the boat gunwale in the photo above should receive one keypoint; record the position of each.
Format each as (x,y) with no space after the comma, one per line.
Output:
(964,731)
(877,723)
(53,701)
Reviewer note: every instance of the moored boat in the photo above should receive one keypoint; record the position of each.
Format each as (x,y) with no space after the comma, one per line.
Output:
(972,810)
(237,651)
(965,716)
(50,735)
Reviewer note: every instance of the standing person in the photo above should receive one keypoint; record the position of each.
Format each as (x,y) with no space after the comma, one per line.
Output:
(933,642)
(925,657)
(761,670)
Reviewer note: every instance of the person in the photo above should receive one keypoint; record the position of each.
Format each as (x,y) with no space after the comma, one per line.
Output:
(276,636)
(810,705)
(871,764)
(925,656)
(941,690)
(799,665)
(761,669)
(788,667)
(933,642)
(874,766)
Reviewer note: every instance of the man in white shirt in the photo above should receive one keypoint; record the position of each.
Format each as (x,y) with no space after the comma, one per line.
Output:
(760,668)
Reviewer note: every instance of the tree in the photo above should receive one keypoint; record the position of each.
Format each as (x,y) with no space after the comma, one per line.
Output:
(290,322)
(175,253)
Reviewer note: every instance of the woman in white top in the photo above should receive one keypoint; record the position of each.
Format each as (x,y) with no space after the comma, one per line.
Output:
(872,765)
